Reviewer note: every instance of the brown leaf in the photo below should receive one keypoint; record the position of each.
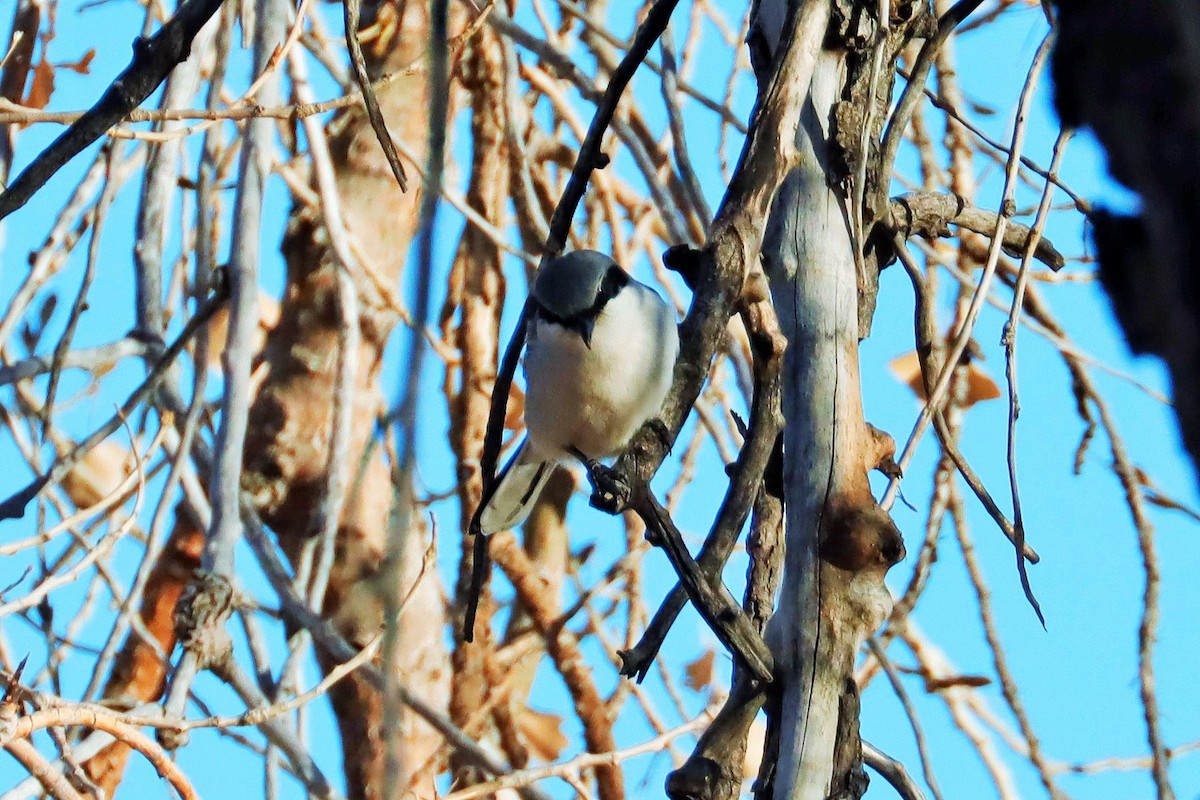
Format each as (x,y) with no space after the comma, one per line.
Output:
(82,66)
(1154,496)
(42,86)
(97,474)
(515,412)
(907,369)
(47,309)
(980,386)
(700,672)
(543,732)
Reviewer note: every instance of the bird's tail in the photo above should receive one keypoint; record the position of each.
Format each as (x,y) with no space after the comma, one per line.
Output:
(517,489)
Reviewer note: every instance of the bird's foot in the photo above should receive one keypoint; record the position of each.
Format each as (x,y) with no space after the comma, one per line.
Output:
(610,491)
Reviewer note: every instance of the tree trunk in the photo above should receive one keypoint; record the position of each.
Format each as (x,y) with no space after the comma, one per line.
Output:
(839,543)
(290,424)
(287,452)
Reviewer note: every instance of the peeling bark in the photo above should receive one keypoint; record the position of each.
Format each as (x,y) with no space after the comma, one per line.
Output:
(139,675)
(477,294)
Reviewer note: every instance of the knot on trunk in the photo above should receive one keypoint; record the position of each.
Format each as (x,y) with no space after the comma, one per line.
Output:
(857,538)
(200,616)
(701,778)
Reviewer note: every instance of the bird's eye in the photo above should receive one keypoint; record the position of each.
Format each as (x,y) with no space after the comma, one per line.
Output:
(614,279)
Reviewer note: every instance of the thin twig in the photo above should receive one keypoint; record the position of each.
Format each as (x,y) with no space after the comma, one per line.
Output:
(590,156)
(909,711)
(528,777)
(63,716)
(51,776)
(1009,340)
(924,337)
(892,771)
(1008,685)
(350,12)
(898,124)
(14,506)
(938,392)
(111,155)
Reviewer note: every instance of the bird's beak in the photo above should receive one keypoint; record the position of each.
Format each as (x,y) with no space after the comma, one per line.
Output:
(585,330)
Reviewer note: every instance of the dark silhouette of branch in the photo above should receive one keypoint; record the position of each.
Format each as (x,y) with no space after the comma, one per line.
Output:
(766,421)
(714,602)
(153,59)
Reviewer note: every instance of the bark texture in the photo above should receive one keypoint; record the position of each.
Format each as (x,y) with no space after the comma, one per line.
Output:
(290,424)
(139,674)
(839,542)
(477,295)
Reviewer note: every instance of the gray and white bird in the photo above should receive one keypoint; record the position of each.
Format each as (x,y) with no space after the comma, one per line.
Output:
(599,361)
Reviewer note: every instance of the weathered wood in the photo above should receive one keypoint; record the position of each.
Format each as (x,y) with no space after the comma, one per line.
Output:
(839,543)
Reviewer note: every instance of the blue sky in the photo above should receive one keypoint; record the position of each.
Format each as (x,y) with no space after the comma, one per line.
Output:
(1078,677)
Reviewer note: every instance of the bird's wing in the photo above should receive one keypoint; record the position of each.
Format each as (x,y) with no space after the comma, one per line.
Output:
(517,490)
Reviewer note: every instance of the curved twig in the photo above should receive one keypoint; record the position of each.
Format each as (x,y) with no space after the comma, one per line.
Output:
(64,716)
(916,82)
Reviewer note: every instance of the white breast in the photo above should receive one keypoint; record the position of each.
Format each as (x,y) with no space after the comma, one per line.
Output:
(594,399)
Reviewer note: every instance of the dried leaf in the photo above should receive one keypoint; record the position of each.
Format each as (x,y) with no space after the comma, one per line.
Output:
(515,413)
(907,369)
(97,474)
(1154,496)
(700,671)
(949,682)
(981,109)
(29,337)
(47,309)
(543,733)
(42,86)
(82,66)
(980,386)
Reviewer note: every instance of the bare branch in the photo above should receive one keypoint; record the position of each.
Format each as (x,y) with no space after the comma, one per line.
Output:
(153,60)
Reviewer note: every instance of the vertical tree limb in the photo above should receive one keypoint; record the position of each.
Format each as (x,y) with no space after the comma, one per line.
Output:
(839,542)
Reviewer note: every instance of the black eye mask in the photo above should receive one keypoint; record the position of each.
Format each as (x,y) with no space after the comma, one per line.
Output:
(584,322)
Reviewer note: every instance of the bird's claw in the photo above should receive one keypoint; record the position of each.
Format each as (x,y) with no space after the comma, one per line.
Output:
(610,492)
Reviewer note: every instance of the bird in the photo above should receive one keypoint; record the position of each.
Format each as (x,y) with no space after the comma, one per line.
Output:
(599,361)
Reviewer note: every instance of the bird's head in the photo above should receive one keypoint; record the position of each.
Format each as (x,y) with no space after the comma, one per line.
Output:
(572,289)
